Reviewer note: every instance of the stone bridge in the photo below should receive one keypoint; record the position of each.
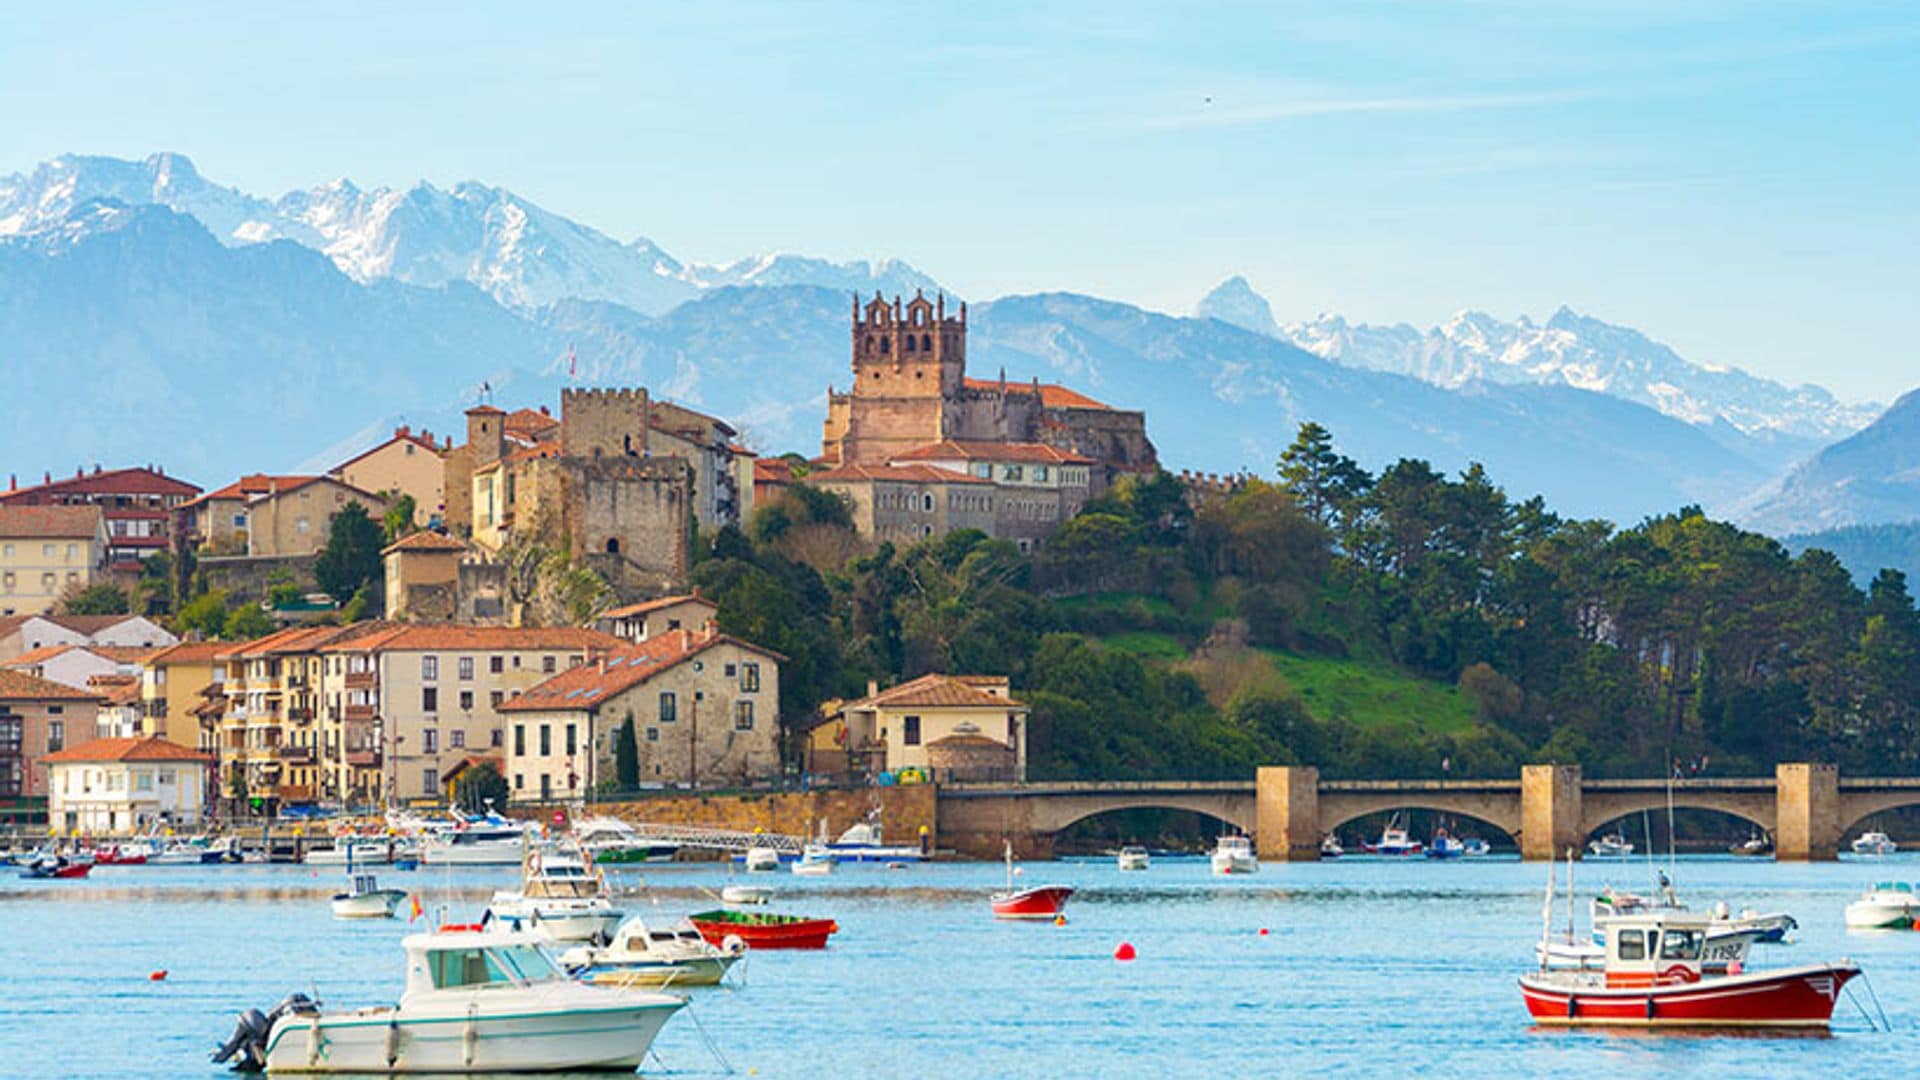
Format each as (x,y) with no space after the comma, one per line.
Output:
(1807,808)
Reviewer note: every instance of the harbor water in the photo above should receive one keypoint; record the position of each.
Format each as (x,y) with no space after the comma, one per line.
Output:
(1368,967)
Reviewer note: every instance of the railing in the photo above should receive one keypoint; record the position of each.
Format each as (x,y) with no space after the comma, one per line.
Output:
(360,680)
(358,712)
(302,755)
(364,759)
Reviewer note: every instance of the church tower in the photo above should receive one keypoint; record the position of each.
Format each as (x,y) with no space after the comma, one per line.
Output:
(909,365)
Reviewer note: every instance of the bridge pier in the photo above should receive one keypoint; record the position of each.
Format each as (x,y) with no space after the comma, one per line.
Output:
(1550,811)
(1287,813)
(1807,812)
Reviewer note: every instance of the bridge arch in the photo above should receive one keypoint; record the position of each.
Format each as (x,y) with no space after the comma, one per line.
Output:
(1600,809)
(1058,814)
(1338,810)
(1856,808)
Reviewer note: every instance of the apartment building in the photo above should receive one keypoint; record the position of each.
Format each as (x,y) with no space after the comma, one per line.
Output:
(47,552)
(171,683)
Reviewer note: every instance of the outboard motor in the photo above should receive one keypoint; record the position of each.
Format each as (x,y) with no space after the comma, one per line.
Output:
(247,1046)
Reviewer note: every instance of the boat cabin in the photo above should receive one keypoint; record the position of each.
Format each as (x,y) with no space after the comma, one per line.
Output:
(454,959)
(636,938)
(1655,949)
(560,878)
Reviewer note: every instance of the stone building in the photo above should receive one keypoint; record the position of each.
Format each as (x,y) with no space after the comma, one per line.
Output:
(905,504)
(651,618)
(910,388)
(274,516)
(408,463)
(934,721)
(38,717)
(705,709)
(431,577)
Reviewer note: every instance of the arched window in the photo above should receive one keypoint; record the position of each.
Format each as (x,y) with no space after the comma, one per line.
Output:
(926,501)
(884,346)
(613,545)
(909,343)
(926,342)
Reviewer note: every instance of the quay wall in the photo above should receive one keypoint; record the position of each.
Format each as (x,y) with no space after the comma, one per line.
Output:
(903,811)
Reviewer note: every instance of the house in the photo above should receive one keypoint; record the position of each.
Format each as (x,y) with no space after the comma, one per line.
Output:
(119,716)
(404,704)
(408,463)
(172,681)
(138,504)
(771,479)
(705,709)
(75,665)
(263,515)
(638,622)
(123,786)
(47,552)
(935,723)
(1037,487)
(270,735)
(24,633)
(38,717)
(905,504)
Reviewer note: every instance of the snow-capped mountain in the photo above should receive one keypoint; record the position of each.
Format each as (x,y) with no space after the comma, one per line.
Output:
(521,254)
(1234,302)
(1871,478)
(1576,350)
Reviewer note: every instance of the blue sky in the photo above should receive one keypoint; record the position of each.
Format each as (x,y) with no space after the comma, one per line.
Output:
(1739,180)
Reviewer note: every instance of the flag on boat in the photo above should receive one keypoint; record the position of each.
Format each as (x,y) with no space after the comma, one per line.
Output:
(414,900)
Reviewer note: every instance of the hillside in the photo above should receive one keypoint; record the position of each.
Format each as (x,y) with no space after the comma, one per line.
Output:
(1870,478)
(1866,549)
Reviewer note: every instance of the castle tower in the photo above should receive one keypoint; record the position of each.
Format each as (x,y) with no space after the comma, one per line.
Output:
(909,365)
(604,423)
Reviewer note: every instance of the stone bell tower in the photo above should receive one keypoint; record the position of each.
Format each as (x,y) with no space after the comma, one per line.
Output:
(909,363)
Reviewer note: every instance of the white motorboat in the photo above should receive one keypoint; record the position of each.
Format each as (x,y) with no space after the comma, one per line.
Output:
(745,895)
(487,840)
(862,843)
(1475,848)
(562,897)
(815,860)
(180,851)
(1134,857)
(1874,843)
(1330,847)
(1754,846)
(1233,855)
(1395,841)
(1889,905)
(610,841)
(761,859)
(475,1001)
(354,850)
(643,955)
(365,899)
(1611,846)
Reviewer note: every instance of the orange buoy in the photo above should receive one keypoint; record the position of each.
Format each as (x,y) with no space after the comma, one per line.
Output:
(1059,920)
(1263,931)
(157,976)
(1124,952)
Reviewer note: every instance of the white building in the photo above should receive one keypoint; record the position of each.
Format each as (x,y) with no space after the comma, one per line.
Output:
(113,787)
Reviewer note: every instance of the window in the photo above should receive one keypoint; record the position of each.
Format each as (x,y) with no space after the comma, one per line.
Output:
(494,737)
(926,501)
(743,716)
(546,787)
(143,781)
(547,665)
(239,521)
(750,677)
(1012,472)
(300,525)
(1681,945)
(431,778)
(429,668)
(1633,945)
(429,699)
(466,701)
(430,741)
(56,735)
(669,707)
(457,738)
(730,670)
(46,551)
(573,746)
(496,664)
(653,734)
(1040,474)
(519,782)
(466,669)
(984,470)
(494,698)
(910,730)
(520,739)
(546,739)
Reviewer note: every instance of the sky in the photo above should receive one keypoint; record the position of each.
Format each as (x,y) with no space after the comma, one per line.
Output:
(1738,180)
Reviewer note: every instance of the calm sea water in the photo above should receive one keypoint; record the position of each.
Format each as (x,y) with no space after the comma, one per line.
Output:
(1370,968)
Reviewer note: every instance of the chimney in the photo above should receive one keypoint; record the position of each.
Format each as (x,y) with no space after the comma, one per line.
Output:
(544,412)
(400,432)
(13,482)
(873,687)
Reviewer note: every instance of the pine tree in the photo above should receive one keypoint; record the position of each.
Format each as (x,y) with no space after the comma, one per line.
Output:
(626,756)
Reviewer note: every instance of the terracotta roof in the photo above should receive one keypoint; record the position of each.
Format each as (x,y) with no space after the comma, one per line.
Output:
(150,748)
(487,410)
(119,654)
(260,486)
(1052,395)
(425,540)
(947,691)
(117,689)
(189,652)
(50,522)
(971,739)
(903,474)
(35,657)
(772,470)
(296,639)
(84,625)
(135,481)
(471,761)
(655,605)
(593,684)
(530,453)
(20,686)
(406,435)
(529,421)
(423,636)
(1038,453)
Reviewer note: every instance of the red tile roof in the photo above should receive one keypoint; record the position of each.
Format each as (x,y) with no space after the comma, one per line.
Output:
(772,470)
(50,522)
(150,748)
(424,636)
(261,485)
(189,652)
(946,691)
(593,684)
(425,540)
(119,654)
(1052,395)
(20,686)
(487,410)
(116,689)
(902,474)
(135,481)
(953,449)
(655,605)
(406,435)
(529,422)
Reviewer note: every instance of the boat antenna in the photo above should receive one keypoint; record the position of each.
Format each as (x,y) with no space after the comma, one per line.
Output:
(1546,915)
(1672,842)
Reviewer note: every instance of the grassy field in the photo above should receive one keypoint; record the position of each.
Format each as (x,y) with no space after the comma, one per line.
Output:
(1147,644)
(1370,693)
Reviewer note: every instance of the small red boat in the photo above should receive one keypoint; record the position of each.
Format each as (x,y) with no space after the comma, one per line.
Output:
(115,856)
(1652,979)
(1039,902)
(56,867)
(762,930)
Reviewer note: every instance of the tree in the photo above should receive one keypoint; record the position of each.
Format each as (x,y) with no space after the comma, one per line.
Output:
(1320,478)
(397,522)
(351,558)
(245,623)
(206,613)
(96,600)
(478,785)
(626,756)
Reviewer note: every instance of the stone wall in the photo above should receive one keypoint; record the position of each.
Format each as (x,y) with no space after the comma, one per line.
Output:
(245,576)
(903,811)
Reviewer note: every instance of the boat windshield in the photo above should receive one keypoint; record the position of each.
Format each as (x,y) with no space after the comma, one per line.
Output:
(1681,944)
(500,966)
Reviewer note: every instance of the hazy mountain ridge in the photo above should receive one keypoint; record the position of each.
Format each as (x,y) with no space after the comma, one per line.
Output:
(1870,478)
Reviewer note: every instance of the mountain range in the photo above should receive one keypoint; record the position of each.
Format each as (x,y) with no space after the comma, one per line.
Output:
(148,314)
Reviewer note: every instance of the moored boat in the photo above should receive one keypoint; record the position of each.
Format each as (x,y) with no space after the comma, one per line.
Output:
(862,842)
(1233,854)
(365,899)
(1889,905)
(815,860)
(1445,846)
(1330,847)
(562,896)
(1754,846)
(475,1001)
(354,850)
(120,855)
(1037,902)
(652,955)
(1395,841)
(763,929)
(748,895)
(762,859)
(1611,846)
(610,841)
(50,866)
(1133,857)
(1651,977)
(1874,843)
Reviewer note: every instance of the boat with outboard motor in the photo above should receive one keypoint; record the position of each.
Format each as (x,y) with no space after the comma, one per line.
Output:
(562,896)
(641,954)
(476,1000)
(1233,854)
(1133,857)
(365,899)
(815,860)
(1395,841)
(1651,976)
(763,929)
(1611,846)
(481,840)
(612,842)
(53,866)
(1874,843)
(1330,847)
(748,895)
(1888,905)
(356,850)
(862,842)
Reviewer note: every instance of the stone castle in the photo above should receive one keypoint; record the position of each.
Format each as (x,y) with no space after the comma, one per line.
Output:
(910,390)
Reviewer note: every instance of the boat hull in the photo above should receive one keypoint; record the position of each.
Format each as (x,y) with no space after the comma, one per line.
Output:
(1870,915)
(1801,997)
(765,931)
(1043,902)
(384,1042)
(374,905)
(1234,864)
(693,971)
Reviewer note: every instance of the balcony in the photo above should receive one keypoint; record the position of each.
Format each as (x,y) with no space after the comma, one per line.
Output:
(358,712)
(294,793)
(297,755)
(364,759)
(301,715)
(361,680)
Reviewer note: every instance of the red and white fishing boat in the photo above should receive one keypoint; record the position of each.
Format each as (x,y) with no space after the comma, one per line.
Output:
(1651,978)
(1040,902)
